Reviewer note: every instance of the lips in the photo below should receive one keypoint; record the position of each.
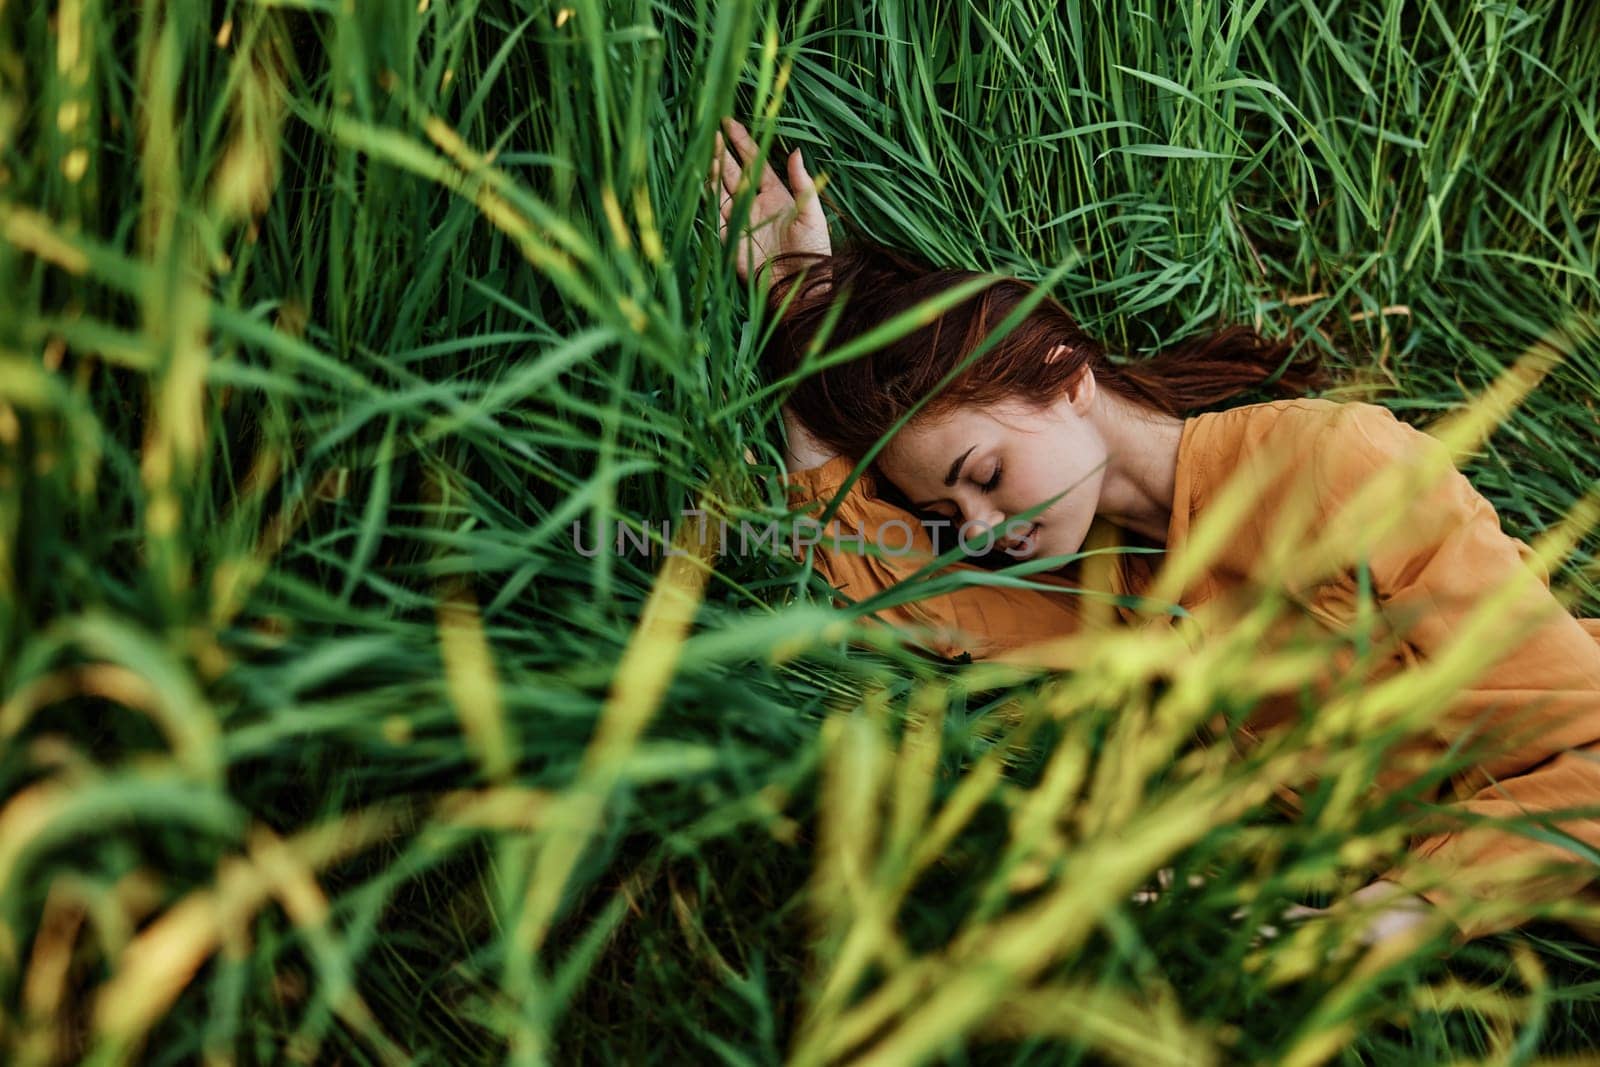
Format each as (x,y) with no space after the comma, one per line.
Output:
(1011,546)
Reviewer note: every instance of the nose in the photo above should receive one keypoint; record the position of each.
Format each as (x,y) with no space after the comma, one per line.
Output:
(985,514)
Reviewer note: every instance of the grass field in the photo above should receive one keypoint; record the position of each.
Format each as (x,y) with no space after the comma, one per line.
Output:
(322,323)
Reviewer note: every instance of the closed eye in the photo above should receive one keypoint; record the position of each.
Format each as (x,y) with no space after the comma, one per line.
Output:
(989,486)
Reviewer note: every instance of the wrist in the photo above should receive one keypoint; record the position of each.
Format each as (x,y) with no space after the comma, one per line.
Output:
(772,279)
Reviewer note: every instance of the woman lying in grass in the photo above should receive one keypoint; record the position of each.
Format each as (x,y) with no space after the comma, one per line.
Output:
(1047,444)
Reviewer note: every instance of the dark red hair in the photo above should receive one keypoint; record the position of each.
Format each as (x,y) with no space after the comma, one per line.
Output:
(827,302)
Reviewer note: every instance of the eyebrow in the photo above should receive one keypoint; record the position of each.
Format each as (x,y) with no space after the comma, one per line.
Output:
(950,479)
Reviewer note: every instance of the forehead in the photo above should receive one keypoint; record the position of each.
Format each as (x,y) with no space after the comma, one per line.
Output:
(927,447)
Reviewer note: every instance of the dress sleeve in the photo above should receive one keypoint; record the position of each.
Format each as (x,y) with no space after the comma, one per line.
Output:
(980,621)
(1534,703)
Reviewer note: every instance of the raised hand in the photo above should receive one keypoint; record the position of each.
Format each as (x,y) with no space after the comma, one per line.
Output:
(780,220)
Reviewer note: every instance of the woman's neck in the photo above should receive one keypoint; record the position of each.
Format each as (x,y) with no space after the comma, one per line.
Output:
(1141,465)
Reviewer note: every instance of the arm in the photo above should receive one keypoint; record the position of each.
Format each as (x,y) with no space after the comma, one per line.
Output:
(802,451)
(780,222)
(1535,697)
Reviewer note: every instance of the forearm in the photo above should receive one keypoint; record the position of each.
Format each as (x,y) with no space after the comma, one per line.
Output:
(1507,858)
(802,451)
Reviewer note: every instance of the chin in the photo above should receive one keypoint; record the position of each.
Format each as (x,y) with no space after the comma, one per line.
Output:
(1039,547)
(1051,542)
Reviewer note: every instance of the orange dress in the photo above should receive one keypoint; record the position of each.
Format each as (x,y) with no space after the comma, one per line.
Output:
(1299,496)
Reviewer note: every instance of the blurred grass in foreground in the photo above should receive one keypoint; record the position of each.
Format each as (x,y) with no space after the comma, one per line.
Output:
(322,324)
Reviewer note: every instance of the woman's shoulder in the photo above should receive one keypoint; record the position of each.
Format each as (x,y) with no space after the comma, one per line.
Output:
(1325,447)
(1304,414)
(1335,475)
(1345,431)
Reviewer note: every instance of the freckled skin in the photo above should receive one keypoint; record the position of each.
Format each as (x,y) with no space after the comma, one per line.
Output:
(1038,452)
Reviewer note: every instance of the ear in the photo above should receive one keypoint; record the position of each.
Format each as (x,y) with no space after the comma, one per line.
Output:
(1081,390)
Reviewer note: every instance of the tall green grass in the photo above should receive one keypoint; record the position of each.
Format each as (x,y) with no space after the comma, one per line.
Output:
(323,323)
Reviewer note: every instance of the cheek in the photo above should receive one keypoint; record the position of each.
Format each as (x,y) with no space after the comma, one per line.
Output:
(1067,521)
(1081,484)
(1072,517)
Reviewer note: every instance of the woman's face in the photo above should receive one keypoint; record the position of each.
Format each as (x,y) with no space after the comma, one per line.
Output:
(984,465)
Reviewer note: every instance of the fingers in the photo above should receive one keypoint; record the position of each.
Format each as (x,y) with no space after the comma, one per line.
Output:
(1293,915)
(726,177)
(748,149)
(1166,878)
(805,191)
(728,167)
(723,181)
(714,182)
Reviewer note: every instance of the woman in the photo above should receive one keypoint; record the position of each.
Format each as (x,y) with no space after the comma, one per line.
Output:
(1043,439)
